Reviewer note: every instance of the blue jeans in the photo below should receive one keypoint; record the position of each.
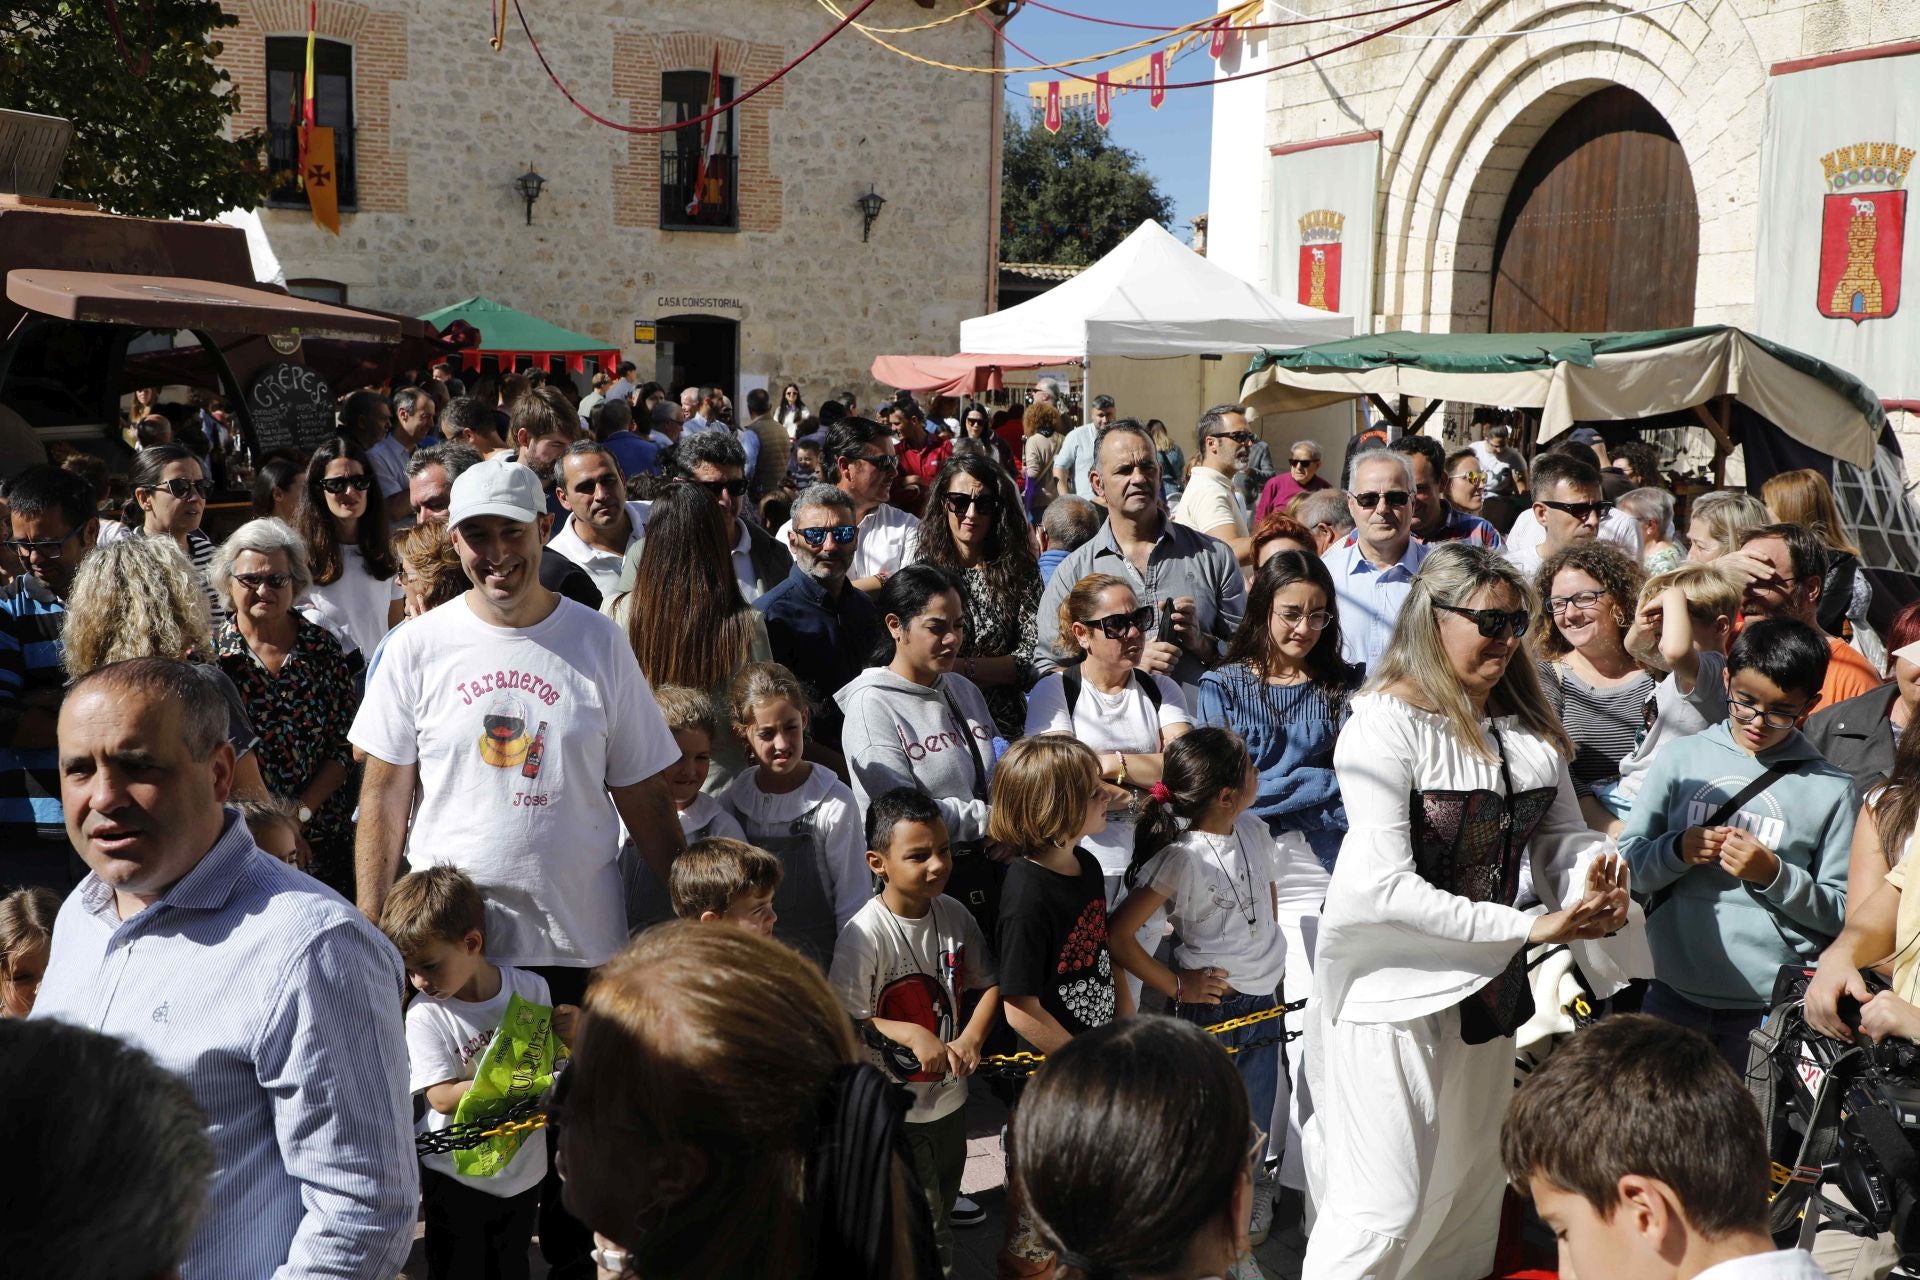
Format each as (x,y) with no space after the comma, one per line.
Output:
(1259,1068)
(1727,1028)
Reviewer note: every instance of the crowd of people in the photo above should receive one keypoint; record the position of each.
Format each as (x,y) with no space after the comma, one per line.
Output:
(727,794)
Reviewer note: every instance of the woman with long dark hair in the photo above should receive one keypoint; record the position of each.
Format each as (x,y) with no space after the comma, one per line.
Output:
(276,489)
(170,489)
(355,594)
(687,621)
(1453,769)
(974,529)
(1284,689)
(793,409)
(976,426)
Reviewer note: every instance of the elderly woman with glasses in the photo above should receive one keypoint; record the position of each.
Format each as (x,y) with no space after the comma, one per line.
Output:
(356,593)
(297,685)
(1454,776)
(1598,689)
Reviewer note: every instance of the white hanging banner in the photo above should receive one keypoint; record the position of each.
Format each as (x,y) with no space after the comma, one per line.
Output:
(1834,237)
(1322,232)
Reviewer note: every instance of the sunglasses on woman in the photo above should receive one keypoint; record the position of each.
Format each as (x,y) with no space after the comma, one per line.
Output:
(255,581)
(1471,477)
(961,503)
(183,489)
(841,534)
(1369,500)
(1116,625)
(338,485)
(1494,624)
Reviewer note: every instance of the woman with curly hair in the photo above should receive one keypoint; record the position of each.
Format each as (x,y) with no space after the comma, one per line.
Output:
(1043,427)
(142,598)
(1599,690)
(974,529)
(344,523)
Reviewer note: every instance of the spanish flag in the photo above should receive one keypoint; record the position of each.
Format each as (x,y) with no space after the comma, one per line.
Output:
(318,173)
(709,185)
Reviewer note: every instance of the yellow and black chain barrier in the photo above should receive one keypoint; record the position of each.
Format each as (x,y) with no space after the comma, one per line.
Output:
(1019,1065)
(523,1116)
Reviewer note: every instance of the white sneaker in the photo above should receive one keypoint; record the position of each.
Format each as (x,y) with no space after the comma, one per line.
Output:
(1260,1225)
(967,1213)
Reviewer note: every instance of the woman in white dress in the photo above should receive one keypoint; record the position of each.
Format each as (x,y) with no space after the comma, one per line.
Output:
(356,591)
(1455,779)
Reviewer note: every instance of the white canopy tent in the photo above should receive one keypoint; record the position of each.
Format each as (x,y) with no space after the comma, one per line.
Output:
(1151,297)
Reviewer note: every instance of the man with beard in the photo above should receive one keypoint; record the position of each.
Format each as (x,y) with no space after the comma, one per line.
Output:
(859,453)
(541,427)
(1373,573)
(521,723)
(819,628)
(1208,503)
(1189,578)
(602,522)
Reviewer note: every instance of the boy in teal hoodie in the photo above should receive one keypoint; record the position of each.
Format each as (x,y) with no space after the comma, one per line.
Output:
(1737,895)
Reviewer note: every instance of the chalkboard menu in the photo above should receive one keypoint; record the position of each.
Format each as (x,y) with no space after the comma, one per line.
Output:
(291,407)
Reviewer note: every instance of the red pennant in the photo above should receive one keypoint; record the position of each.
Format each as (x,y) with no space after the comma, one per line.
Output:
(1053,106)
(1218,44)
(1157,79)
(1102,99)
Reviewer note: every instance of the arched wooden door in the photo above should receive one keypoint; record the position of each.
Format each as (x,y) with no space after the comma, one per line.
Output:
(1602,230)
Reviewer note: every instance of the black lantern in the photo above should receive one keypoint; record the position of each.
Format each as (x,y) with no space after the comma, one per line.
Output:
(528,185)
(869,206)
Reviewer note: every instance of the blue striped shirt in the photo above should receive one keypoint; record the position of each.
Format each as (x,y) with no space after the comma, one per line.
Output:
(30,620)
(279,1006)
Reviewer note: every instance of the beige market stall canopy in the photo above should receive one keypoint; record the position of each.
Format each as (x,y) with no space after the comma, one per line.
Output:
(177,302)
(1574,378)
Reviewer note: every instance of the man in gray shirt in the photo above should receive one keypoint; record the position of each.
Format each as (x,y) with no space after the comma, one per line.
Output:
(1167,563)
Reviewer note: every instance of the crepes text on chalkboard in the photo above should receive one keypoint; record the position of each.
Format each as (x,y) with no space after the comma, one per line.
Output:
(292,408)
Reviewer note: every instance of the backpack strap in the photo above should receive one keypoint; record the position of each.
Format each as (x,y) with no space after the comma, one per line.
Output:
(1149,686)
(1070,683)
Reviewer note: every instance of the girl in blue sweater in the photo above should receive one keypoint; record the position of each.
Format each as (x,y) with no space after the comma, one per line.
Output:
(1284,688)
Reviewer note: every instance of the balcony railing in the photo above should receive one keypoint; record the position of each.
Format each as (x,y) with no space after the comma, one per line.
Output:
(720,205)
(283,162)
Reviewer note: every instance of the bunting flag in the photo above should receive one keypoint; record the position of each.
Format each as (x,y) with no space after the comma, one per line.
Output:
(1053,106)
(1102,99)
(319,175)
(1148,71)
(1217,43)
(1157,80)
(708,183)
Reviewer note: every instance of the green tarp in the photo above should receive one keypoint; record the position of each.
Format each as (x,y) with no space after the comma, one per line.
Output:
(504,329)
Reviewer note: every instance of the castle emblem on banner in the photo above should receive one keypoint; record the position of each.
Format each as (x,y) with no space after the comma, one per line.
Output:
(1320,231)
(1863,230)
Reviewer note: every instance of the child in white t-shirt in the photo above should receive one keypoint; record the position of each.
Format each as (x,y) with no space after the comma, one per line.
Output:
(797,811)
(690,716)
(900,968)
(1683,625)
(477,1224)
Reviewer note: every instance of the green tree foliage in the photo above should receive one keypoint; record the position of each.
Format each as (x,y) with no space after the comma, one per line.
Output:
(149,105)
(1069,197)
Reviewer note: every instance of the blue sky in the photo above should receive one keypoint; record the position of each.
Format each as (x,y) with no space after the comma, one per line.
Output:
(1173,140)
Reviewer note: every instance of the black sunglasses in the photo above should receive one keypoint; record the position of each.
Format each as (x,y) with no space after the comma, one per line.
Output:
(878,461)
(1494,624)
(1301,462)
(337,485)
(48,548)
(1581,510)
(255,581)
(734,487)
(961,503)
(1369,500)
(841,534)
(182,488)
(1238,437)
(1116,625)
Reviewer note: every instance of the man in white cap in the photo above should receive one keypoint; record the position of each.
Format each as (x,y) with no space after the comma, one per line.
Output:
(522,722)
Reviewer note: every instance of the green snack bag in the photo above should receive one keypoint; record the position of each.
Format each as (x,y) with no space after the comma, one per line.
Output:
(518,1065)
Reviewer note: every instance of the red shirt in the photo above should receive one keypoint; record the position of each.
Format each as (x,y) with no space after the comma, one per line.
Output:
(1280,491)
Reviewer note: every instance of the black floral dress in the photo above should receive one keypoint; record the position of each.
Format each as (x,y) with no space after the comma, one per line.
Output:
(998,628)
(302,716)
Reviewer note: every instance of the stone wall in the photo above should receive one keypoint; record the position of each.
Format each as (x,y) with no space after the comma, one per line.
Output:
(445,124)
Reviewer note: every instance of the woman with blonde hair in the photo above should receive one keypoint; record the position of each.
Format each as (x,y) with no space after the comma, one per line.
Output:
(1454,774)
(776,1112)
(142,598)
(1805,498)
(1719,520)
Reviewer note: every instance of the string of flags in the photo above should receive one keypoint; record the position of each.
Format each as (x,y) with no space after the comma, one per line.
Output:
(1054,97)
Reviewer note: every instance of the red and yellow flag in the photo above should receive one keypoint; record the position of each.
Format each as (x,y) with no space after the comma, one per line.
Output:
(709,185)
(319,175)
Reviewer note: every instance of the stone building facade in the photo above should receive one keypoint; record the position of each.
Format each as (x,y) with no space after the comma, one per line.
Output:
(787,289)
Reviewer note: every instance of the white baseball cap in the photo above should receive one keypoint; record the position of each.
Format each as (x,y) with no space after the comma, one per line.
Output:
(1911,652)
(497,487)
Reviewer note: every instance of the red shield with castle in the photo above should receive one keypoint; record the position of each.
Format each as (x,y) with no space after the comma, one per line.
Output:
(1862,241)
(1320,275)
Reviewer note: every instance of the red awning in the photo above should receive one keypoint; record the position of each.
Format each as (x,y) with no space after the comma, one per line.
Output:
(955,375)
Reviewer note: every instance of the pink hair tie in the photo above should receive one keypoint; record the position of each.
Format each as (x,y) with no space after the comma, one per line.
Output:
(1159,792)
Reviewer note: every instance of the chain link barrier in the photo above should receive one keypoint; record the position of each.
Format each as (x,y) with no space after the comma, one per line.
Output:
(1015,1066)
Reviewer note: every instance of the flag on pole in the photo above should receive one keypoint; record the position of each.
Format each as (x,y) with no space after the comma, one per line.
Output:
(1222,33)
(1053,106)
(1102,99)
(319,175)
(1157,79)
(709,147)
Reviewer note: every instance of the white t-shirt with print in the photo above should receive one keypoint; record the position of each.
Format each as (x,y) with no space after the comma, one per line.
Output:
(354,606)
(1126,722)
(1220,894)
(518,735)
(445,1041)
(887,966)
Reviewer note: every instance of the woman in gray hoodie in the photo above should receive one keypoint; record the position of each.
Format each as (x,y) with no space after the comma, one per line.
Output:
(911,722)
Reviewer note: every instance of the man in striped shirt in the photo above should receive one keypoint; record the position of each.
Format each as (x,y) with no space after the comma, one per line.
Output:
(273,999)
(52,525)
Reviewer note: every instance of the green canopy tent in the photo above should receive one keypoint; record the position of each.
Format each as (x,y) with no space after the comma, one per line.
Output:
(517,340)
(1786,408)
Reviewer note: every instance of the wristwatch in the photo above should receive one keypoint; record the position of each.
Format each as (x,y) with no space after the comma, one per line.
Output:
(305,815)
